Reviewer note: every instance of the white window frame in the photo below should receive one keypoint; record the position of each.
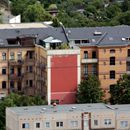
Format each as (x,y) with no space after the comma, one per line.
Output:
(47,124)
(124,124)
(26,126)
(95,122)
(86,124)
(59,124)
(107,122)
(74,123)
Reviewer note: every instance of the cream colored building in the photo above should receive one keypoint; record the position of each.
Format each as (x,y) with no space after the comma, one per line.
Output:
(69,117)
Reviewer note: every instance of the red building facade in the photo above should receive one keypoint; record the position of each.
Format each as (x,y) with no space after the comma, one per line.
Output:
(63,75)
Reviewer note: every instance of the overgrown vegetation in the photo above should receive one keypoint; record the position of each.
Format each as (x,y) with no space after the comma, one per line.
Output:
(74,13)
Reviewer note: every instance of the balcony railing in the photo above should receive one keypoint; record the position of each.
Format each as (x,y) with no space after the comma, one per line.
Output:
(85,75)
(15,77)
(89,60)
(15,63)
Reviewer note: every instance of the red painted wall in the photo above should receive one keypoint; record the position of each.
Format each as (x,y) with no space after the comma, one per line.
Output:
(64,78)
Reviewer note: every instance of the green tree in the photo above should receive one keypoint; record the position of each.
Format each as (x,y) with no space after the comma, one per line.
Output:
(36,13)
(18,6)
(89,91)
(120,92)
(17,100)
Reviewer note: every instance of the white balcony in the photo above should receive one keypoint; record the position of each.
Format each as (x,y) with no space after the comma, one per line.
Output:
(128,59)
(89,60)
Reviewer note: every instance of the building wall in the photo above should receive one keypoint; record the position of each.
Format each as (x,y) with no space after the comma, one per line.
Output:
(41,70)
(84,120)
(63,75)
(103,64)
(22,64)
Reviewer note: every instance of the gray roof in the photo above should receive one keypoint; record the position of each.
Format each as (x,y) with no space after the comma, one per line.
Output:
(36,110)
(39,32)
(110,35)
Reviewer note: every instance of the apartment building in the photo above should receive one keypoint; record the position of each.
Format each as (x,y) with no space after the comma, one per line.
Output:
(21,70)
(105,52)
(67,117)
(32,63)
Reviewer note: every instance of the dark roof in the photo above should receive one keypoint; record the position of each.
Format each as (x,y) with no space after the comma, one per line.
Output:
(110,35)
(39,32)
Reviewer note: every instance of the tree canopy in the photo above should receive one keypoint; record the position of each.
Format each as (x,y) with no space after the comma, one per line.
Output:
(17,100)
(120,92)
(89,91)
(74,13)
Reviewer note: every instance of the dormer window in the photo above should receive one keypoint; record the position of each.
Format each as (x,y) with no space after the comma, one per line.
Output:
(112,51)
(77,41)
(85,41)
(97,33)
(128,38)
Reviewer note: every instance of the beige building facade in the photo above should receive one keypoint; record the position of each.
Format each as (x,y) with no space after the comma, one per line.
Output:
(108,63)
(67,117)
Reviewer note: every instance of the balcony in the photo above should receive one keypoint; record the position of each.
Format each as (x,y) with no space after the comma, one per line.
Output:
(85,75)
(15,63)
(89,60)
(15,77)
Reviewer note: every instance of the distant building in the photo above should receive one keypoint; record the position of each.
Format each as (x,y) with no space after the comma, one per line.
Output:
(16,19)
(69,117)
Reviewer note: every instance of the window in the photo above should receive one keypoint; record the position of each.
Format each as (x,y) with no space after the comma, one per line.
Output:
(124,124)
(3,84)
(85,41)
(112,74)
(128,52)
(30,54)
(95,122)
(120,50)
(120,63)
(107,121)
(11,55)
(86,124)
(94,54)
(94,69)
(104,63)
(112,51)
(19,86)
(37,125)
(128,66)
(27,82)
(11,70)
(19,55)
(77,41)
(25,125)
(47,124)
(30,83)
(3,56)
(85,54)
(111,87)
(30,69)
(12,84)
(85,69)
(74,123)
(59,124)
(3,71)
(112,60)
(104,50)
(104,76)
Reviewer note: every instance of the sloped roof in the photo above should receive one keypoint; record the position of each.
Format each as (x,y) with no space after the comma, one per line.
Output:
(38,32)
(110,35)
